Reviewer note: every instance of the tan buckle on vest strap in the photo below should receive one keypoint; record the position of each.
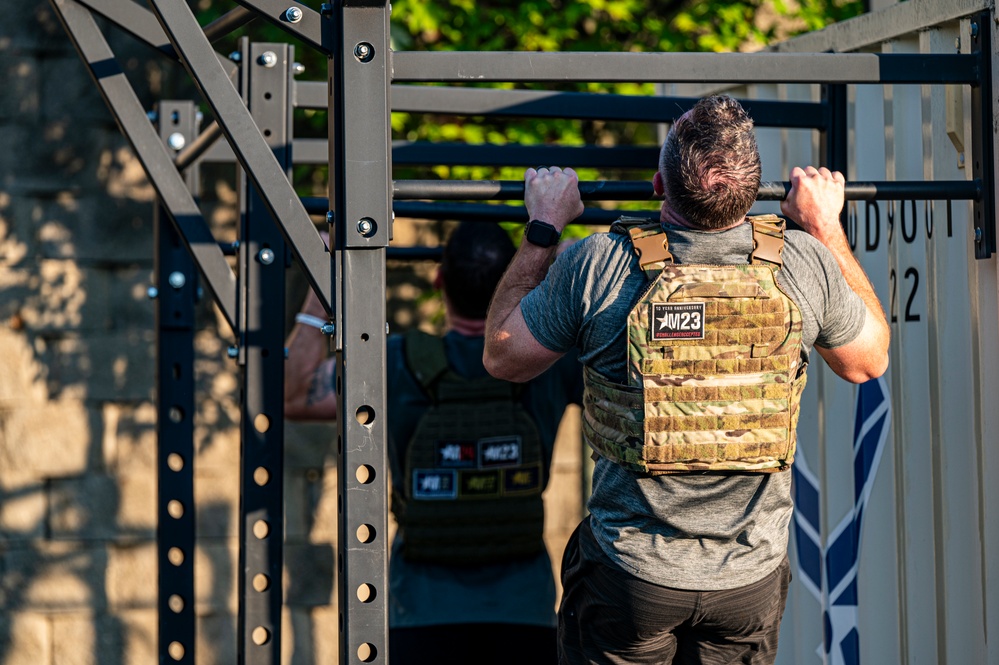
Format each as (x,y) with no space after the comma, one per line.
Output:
(768,240)
(650,248)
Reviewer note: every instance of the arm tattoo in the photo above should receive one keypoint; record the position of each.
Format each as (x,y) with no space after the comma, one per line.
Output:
(321,385)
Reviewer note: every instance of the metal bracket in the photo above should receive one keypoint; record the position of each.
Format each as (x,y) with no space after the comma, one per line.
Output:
(983,137)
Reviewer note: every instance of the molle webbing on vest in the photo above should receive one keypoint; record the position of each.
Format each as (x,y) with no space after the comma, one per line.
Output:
(474,471)
(715,370)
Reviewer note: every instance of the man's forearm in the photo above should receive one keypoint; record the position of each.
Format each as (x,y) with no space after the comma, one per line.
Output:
(308,380)
(527,269)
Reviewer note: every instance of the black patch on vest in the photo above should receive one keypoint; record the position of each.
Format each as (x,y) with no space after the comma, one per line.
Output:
(677,320)
(434,484)
(456,454)
(524,480)
(499,451)
(480,484)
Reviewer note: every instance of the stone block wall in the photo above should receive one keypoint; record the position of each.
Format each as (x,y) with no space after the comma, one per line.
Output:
(77,416)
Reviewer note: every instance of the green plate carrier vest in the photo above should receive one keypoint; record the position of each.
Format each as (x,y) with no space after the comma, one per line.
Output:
(474,471)
(715,365)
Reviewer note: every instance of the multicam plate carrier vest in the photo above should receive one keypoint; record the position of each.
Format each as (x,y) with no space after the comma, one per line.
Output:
(473,470)
(715,365)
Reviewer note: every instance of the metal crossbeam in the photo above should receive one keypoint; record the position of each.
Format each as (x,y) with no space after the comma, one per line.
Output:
(249,146)
(483,67)
(620,190)
(151,152)
(296,18)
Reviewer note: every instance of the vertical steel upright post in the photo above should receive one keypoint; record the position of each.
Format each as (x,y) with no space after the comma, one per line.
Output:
(835,138)
(176,284)
(360,186)
(265,83)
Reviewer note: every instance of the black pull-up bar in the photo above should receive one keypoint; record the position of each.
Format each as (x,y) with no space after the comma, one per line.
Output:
(640,190)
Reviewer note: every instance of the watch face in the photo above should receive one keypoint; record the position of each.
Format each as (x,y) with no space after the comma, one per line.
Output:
(541,233)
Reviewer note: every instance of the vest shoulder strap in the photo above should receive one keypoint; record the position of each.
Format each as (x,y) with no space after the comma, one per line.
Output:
(768,241)
(425,357)
(427,361)
(649,242)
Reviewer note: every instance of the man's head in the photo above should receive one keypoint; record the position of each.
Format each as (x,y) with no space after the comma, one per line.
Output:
(475,258)
(710,165)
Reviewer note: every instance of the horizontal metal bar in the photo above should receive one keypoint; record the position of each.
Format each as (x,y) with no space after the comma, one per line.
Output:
(567,105)
(410,153)
(198,146)
(152,154)
(308,28)
(414,253)
(468,212)
(232,20)
(513,190)
(496,66)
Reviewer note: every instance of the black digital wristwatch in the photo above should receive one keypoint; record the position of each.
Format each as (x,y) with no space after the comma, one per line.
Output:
(541,233)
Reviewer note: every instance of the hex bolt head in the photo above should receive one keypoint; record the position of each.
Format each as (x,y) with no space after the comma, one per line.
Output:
(177,279)
(978,235)
(297,69)
(152,293)
(235,56)
(364,52)
(326,8)
(153,116)
(328,329)
(176,141)
(268,59)
(293,14)
(974,29)
(366,227)
(330,216)
(266,256)
(386,328)
(232,351)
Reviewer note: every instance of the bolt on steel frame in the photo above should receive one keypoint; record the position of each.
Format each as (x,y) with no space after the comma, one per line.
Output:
(254,115)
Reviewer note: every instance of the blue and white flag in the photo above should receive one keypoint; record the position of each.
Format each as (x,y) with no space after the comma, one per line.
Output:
(828,567)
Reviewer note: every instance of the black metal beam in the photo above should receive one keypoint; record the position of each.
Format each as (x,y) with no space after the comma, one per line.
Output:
(232,20)
(471,212)
(195,149)
(176,293)
(249,145)
(152,154)
(512,190)
(261,357)
(567,105)
(983,138)
(294,17)
(485,67)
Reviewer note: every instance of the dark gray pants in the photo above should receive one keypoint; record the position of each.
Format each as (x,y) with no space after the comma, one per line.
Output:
(610,617)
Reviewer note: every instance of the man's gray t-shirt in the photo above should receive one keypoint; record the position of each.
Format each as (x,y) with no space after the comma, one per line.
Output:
(703,532)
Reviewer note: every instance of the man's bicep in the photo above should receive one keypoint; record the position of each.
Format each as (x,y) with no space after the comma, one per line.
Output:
(862,359)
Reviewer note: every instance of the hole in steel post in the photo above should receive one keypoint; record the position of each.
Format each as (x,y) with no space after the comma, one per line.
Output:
(175,509)
(339,563)
(261,582)
(261,476)
(261,636)
(364,337)
(261,529)
(365,415)
(267,95)
(365,474)
(176,650)
(365,533)
(366,593)
(261,423)
(175,555)
(175,462)
(176,604)
(267,132)
(366,652)
(176,414)
(339,445)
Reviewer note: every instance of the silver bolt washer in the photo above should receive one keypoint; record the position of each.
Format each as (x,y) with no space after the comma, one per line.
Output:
(328,329)
(177,280)
(152,293)
(176,141)
(153,116)
(235,56)
(266,256)
(293,14)
(330,216)
(978,235)
(974,29)
(267,59)
(363,52)
(364,226)
(297,69)
(232,351)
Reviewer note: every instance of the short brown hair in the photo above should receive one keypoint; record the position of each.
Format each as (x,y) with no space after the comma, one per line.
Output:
(710,164)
